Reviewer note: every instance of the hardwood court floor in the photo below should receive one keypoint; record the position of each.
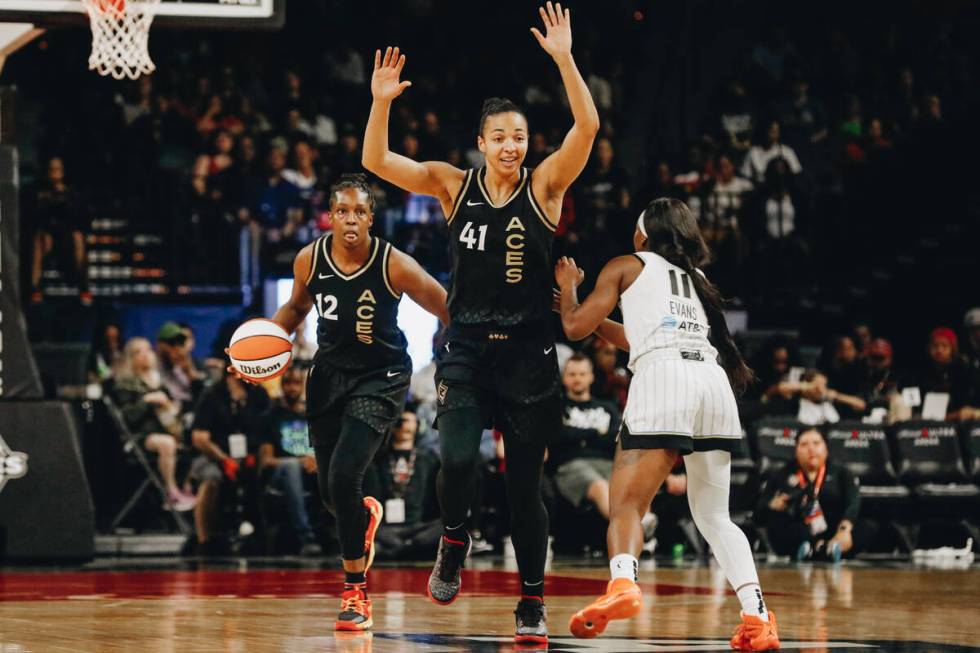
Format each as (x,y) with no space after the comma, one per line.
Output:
(238,608)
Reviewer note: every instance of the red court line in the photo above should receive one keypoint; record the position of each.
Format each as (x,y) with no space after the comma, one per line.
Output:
(265,583)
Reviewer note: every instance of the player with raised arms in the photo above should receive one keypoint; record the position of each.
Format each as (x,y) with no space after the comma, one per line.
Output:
(498,365)
(357,385)
(681,402)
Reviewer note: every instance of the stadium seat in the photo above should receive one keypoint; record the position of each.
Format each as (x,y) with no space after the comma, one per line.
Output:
(970,432)
(929,459)
(774,441)
(863,449)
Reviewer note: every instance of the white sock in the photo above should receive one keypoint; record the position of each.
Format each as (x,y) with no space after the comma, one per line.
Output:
(750,596)
(624,566)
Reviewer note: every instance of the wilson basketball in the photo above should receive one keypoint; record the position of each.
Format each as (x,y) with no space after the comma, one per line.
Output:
(260,350)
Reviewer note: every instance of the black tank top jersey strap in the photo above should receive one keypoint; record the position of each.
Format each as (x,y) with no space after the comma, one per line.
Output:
(500,255)
(357,327)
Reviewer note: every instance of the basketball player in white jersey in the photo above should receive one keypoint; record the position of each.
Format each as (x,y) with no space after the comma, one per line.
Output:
(681,402)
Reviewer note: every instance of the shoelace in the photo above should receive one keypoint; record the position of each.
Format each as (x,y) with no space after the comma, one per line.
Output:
(352,604)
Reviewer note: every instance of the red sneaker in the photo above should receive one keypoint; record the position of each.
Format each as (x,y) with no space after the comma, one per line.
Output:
(375,514)
(754,634)
(355,611)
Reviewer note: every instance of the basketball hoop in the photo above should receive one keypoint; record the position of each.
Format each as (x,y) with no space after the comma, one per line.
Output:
(120,37)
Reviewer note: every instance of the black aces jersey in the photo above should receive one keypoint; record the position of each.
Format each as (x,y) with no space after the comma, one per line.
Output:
(501,256)
(357,329)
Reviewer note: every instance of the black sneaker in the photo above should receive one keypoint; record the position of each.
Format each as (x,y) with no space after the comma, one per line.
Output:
(444,583)
(531,616)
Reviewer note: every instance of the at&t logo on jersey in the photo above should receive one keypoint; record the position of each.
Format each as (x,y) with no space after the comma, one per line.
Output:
(13,464)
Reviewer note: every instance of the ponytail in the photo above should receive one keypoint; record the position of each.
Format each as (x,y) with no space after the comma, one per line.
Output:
(673,233)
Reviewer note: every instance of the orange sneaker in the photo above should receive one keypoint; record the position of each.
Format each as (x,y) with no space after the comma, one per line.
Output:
(355,611)
(375,514)
(754,634)
(622,600)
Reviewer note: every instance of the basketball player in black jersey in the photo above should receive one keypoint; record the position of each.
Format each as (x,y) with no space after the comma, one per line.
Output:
(357,386)
(498,365)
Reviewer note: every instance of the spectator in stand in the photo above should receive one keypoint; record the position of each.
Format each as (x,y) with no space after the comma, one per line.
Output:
(804,118)
(218,166)
(303,173)
(151,415)
(862,337)
(225,433)
(345,65)
(945,371)
(538,150)
(178,373)
(810,507)
(278,212)
(737,118)
(432,141)
(107,352)
(582,456)
(844,370)
(286,459)
(756,164)
(882,380)
(60,220)
(812,401)
(611,379)
(720,219)
(403,478)
(971,322)
(605,193)
(777,356)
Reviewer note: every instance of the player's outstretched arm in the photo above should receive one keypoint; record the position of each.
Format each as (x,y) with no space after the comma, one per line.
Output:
(608,330)
(562,167)
(407,276)
(579,320)
(291,314)
(434,178)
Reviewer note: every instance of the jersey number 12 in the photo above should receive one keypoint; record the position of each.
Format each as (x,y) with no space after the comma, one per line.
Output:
(468,236)
(326,306)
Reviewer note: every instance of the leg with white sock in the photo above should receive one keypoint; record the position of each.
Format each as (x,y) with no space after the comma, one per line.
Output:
(708,480)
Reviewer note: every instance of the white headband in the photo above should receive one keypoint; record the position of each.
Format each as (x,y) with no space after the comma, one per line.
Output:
(640,225)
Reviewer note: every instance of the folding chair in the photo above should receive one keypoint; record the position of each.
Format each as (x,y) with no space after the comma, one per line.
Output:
(132,448)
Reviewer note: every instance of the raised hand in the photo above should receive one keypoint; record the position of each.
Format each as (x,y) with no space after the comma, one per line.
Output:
(557,40)
(385,84)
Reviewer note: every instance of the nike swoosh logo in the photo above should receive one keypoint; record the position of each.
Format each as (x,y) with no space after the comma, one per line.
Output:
(447,346)
(548,350)
(469,203)
(393,374)
(325,276)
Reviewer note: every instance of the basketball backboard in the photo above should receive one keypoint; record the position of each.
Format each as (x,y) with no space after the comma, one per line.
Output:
(219,14)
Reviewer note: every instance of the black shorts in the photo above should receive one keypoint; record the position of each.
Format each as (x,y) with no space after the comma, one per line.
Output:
(511,377)
(376,397)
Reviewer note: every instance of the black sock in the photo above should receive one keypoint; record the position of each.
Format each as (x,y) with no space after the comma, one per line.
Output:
(355,580)
(532,590)
(456,533)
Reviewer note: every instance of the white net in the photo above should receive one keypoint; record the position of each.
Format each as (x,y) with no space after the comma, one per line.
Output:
(120,37)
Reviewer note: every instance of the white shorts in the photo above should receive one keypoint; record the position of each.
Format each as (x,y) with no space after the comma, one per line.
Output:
(678,403)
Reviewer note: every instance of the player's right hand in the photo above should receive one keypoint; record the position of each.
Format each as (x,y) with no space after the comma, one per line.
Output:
(385,84)
(231,370)
(567,274)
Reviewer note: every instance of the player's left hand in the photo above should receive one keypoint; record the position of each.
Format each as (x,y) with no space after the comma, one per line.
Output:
(557,40)
(567,274)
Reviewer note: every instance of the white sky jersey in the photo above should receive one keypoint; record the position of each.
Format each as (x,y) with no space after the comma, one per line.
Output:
(661,310)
